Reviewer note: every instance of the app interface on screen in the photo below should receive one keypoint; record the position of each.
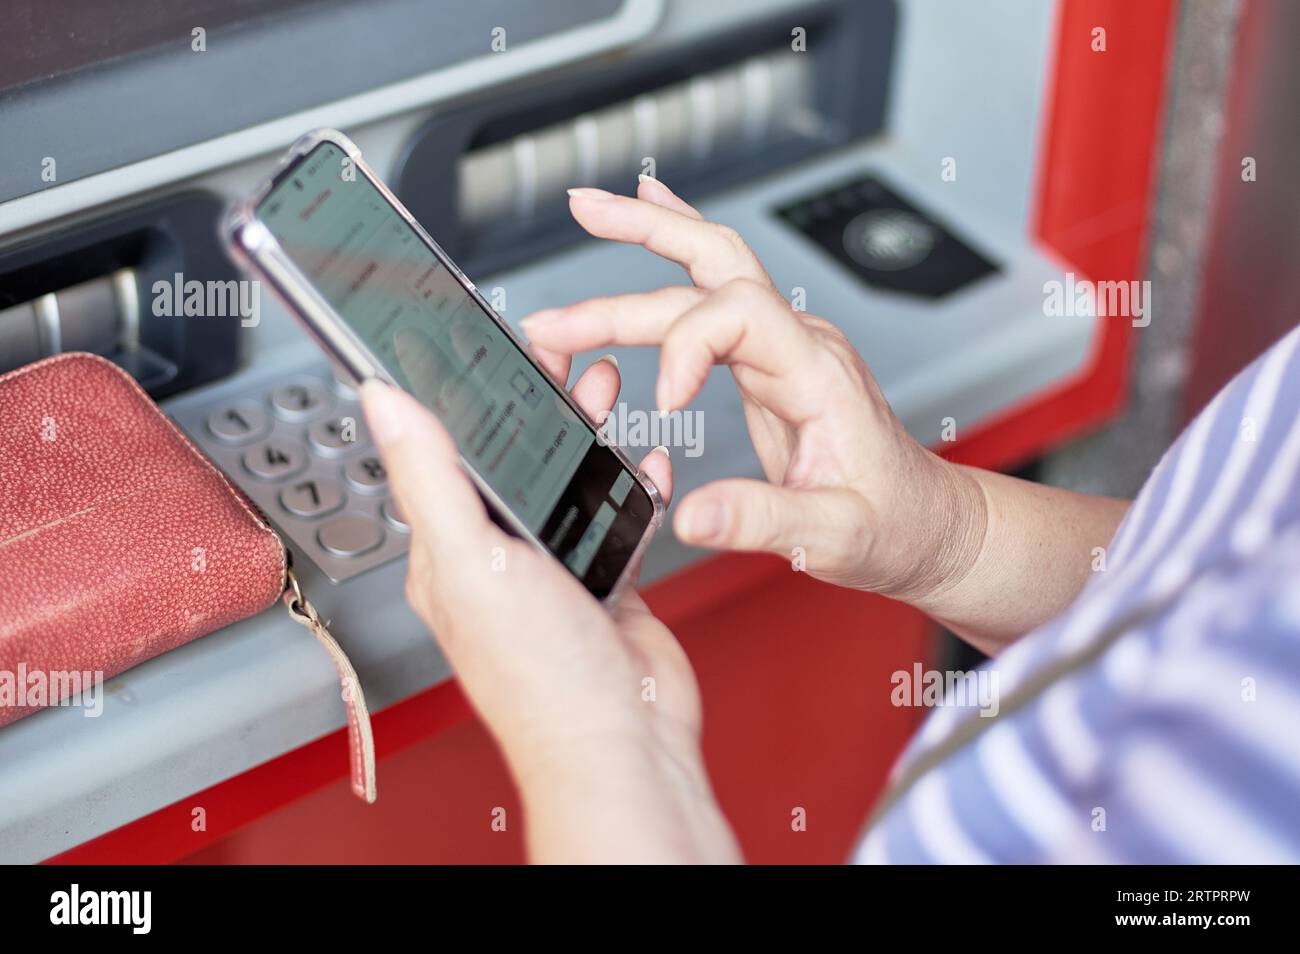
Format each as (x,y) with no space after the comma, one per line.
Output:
(436,341)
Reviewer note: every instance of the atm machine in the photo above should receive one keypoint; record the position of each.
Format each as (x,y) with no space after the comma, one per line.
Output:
(915,171)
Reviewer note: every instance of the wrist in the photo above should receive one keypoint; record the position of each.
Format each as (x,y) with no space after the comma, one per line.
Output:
(949,526)
(621,796)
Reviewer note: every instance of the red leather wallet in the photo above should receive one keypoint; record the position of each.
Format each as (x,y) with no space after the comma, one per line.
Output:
(119,541)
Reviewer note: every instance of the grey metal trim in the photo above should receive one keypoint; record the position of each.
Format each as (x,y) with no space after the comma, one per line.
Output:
(191,119)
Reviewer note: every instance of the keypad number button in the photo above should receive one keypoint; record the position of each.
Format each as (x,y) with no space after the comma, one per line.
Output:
(393,514)
(366,474)
(299,401)
(350,535)
(274,460)
(312,497)
(337,435)
(238,423)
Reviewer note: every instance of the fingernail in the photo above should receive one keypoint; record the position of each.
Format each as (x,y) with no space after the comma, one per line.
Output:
(704,521)
(663,393)
(610,358)
(647,178)
(661,449)
(588,193)
(384,411)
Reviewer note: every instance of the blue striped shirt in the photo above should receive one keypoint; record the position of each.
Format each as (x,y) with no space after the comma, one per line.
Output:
(1180,741)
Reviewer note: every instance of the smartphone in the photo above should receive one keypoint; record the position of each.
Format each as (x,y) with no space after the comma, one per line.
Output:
(383,300)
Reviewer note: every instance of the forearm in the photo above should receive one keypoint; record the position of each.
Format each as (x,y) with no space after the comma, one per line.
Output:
(625,803)
(1031,550)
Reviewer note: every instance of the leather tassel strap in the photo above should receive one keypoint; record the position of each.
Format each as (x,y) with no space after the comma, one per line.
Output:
(361,740)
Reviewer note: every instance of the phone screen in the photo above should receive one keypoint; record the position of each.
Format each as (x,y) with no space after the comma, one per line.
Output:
(439,343)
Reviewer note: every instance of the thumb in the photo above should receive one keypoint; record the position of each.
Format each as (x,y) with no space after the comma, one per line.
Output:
(424,470)
(754,515)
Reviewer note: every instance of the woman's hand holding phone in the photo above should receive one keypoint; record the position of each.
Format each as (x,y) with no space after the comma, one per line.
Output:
(606,772)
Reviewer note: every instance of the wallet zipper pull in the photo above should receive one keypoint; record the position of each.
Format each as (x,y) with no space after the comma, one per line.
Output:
(361,740)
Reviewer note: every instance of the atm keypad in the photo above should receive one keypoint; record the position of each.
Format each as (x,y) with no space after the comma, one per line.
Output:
(301,451)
